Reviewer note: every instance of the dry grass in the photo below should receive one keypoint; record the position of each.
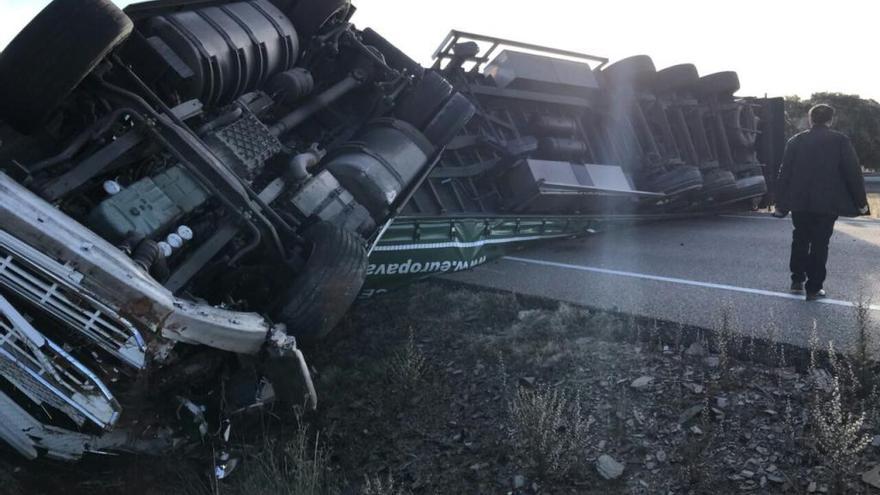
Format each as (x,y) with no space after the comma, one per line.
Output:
(837,420)
(299,466)
(874,202)
(407,366)
(374,485)
(548,431)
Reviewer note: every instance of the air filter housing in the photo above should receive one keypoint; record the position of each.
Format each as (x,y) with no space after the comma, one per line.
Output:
(229,49)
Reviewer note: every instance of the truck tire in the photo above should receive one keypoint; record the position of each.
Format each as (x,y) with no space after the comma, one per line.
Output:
(742,126)
(53,54)
(635,72)
(676,78)
(328,285)
(720,83)
(717,179)
(679,179)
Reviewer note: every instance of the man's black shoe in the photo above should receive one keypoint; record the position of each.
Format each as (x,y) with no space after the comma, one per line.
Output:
(815,296)
(797,287)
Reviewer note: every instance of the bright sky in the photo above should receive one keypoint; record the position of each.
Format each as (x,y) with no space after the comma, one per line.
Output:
(769,42)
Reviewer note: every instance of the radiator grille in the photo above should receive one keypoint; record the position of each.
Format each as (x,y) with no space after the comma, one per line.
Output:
(38,279)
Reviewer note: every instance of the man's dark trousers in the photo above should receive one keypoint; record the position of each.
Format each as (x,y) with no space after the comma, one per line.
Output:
(809,248)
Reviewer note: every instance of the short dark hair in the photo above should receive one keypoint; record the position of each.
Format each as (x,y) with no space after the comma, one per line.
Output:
(821,114)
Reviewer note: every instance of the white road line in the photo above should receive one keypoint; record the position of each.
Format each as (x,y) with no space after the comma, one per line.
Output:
(681,281)
(768,217)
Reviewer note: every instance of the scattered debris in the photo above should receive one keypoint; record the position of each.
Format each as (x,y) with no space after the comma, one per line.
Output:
(690,414)
(661,456)
(642,382)
(608,467)
(872,476)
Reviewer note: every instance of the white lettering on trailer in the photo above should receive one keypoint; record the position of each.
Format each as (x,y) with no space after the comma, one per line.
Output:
(410,268)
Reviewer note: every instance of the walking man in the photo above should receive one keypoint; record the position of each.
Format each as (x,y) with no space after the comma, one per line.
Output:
(820,180)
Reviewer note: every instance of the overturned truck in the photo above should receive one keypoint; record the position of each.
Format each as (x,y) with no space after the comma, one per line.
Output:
(190,189)
(564,144)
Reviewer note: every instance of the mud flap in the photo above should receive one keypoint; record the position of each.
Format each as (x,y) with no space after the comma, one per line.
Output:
(286,367)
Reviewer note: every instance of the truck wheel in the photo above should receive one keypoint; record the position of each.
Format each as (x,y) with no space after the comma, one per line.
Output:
(53,54)
(677,180)
(742,126)
(636,71)
(328,285)
(717,179)
(677,77)
(720,83)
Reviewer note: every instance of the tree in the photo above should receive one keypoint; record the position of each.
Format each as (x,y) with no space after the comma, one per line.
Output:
(856,117)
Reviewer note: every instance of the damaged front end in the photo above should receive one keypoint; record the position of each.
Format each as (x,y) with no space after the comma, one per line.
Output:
(184,199)
(57,398)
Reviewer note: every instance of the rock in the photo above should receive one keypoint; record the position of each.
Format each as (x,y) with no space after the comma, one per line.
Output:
(602,445)
(690,414)
(696,430)
(776,478)
(876,441)
(661,456)
(642,382)
(712,361)
(872,477)
(722,402)
(695,350)
(609,468)
(745,473)
(519,482)
(693,387)
(812,487)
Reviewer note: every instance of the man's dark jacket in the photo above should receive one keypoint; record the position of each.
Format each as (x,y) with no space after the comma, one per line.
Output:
(820,173)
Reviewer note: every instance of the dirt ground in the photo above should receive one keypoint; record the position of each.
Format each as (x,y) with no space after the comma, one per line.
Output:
(440,389)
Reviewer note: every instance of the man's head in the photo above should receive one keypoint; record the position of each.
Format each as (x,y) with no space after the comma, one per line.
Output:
(822,114)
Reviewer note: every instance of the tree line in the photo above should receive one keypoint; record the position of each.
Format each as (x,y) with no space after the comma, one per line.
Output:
(857,117)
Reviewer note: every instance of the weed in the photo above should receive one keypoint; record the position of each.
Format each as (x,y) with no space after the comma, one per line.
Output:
(374,485)
(407,366)
(547,430)
(838,432)
(724,341)
(865,346)
(300,466)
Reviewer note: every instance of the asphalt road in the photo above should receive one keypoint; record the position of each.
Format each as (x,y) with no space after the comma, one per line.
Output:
(687,271)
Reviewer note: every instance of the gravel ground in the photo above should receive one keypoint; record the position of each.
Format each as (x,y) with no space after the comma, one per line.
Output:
(443,389)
